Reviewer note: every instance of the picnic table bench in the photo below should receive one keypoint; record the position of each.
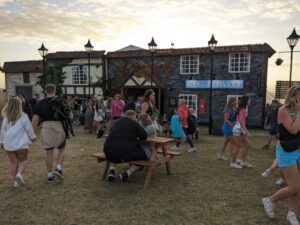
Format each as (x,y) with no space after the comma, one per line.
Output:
(161,146)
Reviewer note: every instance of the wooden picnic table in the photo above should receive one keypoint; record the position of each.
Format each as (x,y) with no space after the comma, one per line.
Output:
(161,146)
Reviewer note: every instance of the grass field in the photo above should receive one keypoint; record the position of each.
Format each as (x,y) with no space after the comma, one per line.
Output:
(200,191)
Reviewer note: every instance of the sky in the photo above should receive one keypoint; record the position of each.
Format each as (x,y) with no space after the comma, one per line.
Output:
(66,25)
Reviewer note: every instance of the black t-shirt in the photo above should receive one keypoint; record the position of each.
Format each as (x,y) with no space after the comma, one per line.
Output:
(44,109)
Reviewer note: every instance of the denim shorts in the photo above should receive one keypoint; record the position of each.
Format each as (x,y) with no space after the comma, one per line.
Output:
(286,159)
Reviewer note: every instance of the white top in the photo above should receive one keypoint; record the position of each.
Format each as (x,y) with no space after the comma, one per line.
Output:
(17,136)
(98,116)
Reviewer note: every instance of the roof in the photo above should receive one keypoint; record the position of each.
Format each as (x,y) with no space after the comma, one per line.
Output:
(33,66)
(260,48)
(130,48)
(75,55)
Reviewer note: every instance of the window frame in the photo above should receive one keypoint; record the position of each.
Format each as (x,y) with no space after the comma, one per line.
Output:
(189,65)
(239,62)
(82,71)
(187,100)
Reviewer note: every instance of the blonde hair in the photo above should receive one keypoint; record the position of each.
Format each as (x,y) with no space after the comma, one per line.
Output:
(145,119)
(229,104)
(130,113)
(290,100)
(12,110)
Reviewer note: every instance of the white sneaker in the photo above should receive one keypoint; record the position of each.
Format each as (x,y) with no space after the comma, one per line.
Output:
(175,148)
(280,181)
(246,165)
(238,161)
(193,149)
(15,184)
(266,173)
(222,157)
(268,206)
(292,218)
(19,179)
(235,166)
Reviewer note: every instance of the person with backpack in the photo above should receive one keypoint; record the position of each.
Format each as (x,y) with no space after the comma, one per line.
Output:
(53,134)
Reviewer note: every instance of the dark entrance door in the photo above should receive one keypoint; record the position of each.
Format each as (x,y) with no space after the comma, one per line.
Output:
(26,90)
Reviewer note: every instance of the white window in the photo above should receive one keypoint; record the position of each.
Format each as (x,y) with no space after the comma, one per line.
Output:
(239,62)
(191,101)
(79,75)
(189,64)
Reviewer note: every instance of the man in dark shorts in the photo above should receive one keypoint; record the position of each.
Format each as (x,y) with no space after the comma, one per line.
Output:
(122,144)
(52,133)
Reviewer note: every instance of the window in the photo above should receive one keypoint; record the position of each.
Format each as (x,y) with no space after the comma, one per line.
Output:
(26,78)
(191,101)
(79,75)
(239,62)
(189,64)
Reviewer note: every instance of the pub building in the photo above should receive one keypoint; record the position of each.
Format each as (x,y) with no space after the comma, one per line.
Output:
(237,70)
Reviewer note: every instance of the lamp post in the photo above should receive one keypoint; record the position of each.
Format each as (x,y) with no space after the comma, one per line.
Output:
(212,44)
(292,41)
(152,47)
(89,48)
(43,52)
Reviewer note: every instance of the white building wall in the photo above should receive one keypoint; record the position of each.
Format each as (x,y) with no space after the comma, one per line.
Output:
(16,79)
(95,70)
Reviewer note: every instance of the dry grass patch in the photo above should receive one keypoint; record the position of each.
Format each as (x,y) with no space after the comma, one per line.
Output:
(201,191)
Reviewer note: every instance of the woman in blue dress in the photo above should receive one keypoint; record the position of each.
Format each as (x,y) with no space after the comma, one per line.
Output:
(229,118)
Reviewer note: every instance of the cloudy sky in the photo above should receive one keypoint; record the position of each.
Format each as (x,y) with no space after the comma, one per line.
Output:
(65,25)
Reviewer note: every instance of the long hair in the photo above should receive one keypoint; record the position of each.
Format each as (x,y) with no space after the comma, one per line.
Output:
(242,104)
(12,110)
(145,119)
(230,105)
(290,100)
(147,95)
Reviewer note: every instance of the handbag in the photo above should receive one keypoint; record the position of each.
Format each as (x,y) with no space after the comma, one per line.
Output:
(237,129)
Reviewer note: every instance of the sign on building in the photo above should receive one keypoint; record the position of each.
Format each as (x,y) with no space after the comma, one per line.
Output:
(216,84)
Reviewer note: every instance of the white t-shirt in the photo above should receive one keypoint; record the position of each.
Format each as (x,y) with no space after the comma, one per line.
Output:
(17,136)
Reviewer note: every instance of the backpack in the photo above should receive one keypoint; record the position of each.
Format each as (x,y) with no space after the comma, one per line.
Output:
(191,119)
(62,113)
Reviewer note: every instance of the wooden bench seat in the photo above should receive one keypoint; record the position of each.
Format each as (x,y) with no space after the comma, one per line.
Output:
(173,153)
(149,165)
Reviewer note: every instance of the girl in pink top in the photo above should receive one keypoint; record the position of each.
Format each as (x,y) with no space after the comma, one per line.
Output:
(241,134)
(117,107)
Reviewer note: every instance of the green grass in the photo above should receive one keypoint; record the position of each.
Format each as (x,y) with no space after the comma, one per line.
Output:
(200,191)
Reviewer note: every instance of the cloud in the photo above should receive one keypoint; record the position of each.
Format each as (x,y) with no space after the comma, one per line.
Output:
(71,22)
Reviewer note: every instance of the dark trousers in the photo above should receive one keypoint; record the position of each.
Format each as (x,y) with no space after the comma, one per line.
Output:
(189,140)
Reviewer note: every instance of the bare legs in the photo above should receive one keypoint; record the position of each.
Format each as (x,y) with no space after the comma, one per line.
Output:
(18,161)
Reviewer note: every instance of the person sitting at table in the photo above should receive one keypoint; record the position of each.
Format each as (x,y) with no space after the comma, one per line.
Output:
(123,144)
(149,148)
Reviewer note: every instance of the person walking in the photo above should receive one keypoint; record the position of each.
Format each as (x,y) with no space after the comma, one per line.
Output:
(183,113)
(241,135)
(53,134)
(117,107)
(288,156)
(272,125)
(229,118)
(16,135)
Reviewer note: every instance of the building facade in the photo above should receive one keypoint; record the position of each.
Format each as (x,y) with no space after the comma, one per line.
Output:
(236,71)
(22,77)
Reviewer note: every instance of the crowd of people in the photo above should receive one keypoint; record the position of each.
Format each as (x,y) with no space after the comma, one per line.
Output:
(129,123)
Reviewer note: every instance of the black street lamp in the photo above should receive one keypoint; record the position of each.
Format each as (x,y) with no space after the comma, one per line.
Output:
(292,41)
(89,48)
(152,47)
(212,44)
(43,52)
